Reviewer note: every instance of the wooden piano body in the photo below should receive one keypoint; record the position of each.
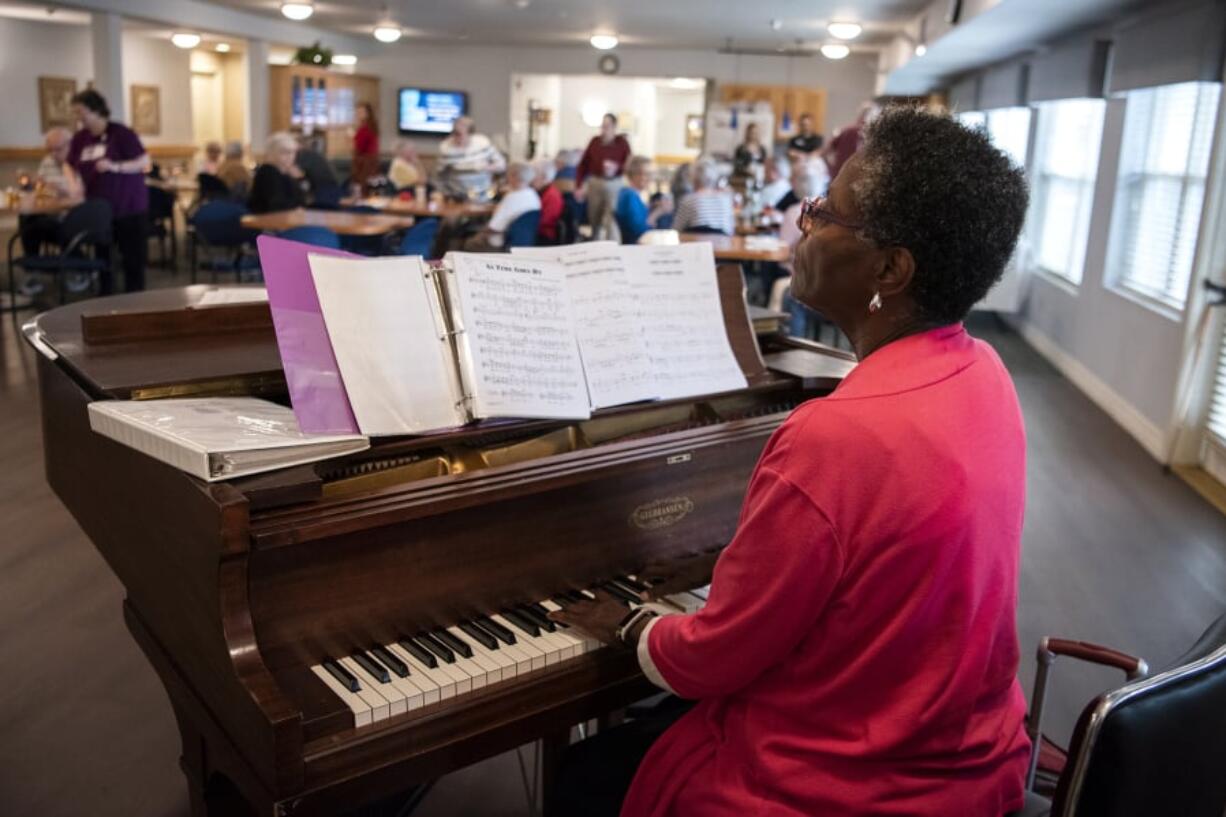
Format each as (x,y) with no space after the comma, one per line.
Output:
(235,588)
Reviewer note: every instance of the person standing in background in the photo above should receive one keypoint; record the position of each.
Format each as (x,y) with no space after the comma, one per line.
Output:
(847,141)
(599,176)
(112,162)
(365,145)
(806,144)
(750,155)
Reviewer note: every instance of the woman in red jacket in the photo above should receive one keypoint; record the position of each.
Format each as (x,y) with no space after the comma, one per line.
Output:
(365,145)
(858,651)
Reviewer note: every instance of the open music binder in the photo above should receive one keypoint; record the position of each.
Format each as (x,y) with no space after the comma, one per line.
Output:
(422,348)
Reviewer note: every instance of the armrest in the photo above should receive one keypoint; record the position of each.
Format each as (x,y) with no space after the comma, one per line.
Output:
(1049,648)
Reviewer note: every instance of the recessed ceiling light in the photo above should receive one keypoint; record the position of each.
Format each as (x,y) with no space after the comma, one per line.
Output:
(222,48)
(344,59)
(387,32)
(835,51)
(844,31)
(776,24)
(686,83)
(921,50)
(522,4)
(604,41)
(185,39)
(297,10)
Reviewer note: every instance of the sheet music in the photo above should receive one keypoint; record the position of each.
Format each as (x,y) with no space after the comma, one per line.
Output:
(683,322)
(605,314)
(520,355)
(394,357)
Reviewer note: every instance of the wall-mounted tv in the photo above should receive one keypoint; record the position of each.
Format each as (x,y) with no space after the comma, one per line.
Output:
(425,111)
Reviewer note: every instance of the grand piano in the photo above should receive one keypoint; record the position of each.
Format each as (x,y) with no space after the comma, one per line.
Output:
(330,635)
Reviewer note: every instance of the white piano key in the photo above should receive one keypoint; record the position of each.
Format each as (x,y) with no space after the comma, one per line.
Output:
(686,602)
(427,687)
(552,650)
(584,642)
(414,694)
(444,684)
(524,661)
(357,705)
(506,664)
(492,668)
(478,675)
(534,654)
(394,702)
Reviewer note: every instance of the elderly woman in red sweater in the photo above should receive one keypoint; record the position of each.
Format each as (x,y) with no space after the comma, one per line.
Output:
(858,651)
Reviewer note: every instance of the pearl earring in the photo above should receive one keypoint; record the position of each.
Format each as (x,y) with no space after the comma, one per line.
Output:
(875,303)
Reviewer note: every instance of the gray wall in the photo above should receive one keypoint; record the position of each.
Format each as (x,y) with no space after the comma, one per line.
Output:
(485,73)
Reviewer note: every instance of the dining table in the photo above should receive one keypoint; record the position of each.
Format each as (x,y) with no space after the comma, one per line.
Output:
(430,208)
(743,248)
(341,222)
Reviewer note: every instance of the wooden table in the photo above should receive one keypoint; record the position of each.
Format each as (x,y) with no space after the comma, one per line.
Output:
(338,221)
(736,248)
(37,207)
(424,209)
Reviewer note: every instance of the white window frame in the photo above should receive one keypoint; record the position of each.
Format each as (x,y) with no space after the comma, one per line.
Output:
(1192,182)
(1043,179)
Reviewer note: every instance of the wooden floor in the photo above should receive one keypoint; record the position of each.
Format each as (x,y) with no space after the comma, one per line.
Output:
(1115,551)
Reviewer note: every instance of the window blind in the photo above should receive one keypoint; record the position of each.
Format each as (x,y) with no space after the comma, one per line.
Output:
(1164,161)
(1009,129)
(1066,167)
(1217,404)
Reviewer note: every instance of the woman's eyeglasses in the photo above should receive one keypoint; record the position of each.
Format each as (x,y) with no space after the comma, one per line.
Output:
(813,211)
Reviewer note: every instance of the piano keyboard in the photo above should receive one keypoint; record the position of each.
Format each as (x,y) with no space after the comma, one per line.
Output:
(429,667)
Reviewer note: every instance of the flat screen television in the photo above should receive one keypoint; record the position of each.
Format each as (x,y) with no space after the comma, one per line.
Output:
(426,111)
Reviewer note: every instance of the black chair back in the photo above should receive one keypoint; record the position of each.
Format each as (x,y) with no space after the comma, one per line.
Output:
(161,204)
(88,223)
(1155,746)
(211,187)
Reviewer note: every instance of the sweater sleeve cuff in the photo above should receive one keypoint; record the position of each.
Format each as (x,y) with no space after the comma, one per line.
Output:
(646,663)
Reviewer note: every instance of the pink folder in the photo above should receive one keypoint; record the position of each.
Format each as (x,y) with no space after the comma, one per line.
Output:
(316,390)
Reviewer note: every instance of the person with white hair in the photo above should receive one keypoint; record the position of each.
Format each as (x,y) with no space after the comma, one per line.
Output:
(212,158)
(551,201)
(778,181)
(467,161)
(634,215)
(708,209)
(520,198)
(406,170)
(58,181)
(809,184)
(278,182)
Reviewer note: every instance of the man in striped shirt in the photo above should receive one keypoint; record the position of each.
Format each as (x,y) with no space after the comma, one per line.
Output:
(467,162)
(707,209)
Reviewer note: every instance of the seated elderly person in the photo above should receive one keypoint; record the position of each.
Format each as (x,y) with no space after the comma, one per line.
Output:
(406,170)
(551,201)
(858,651)
(212,159)
(634,216)
(520,198)
(778,181)
(707,209)
(57,180)
(233,171)
(811,184)
(278,182)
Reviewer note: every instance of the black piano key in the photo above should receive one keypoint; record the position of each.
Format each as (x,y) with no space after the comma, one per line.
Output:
(536,618)
(574,596)
(343,675)
(390,661)
(495,629)
(376,670)
(479,635)
(437,647)
(522,622)
(415,649)
(456,644)
(620,593)
(632,584)
(542,610)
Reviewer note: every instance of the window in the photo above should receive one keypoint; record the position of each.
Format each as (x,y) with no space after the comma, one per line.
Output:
(1009,129)
(973,119)
(1164,159)
(1066,166)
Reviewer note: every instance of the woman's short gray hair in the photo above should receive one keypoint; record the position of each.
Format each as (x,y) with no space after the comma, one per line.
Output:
(279,141)
(638,164)
(808,184)
(706,173)
(524,171)
(234,149)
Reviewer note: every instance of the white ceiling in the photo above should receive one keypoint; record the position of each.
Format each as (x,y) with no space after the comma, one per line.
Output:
(659,23)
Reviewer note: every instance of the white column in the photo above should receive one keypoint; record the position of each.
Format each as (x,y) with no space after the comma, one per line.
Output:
(108,62)
(257,95)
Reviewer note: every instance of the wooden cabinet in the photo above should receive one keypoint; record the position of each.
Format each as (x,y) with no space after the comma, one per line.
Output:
(793,100)
(305,99)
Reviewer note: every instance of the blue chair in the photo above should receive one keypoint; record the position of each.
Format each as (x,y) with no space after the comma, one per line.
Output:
(328,198)
(522,232)
(212,188)
(419,238)
(316,236)
(84,239)
(363,244)
(217,227)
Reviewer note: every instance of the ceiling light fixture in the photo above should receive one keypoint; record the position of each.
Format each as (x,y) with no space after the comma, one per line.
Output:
(604,41)
(344,59)
(387,32)
(835,51)
(921,50)
(222,48)
(185,39)
(297,10)
(844,31)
